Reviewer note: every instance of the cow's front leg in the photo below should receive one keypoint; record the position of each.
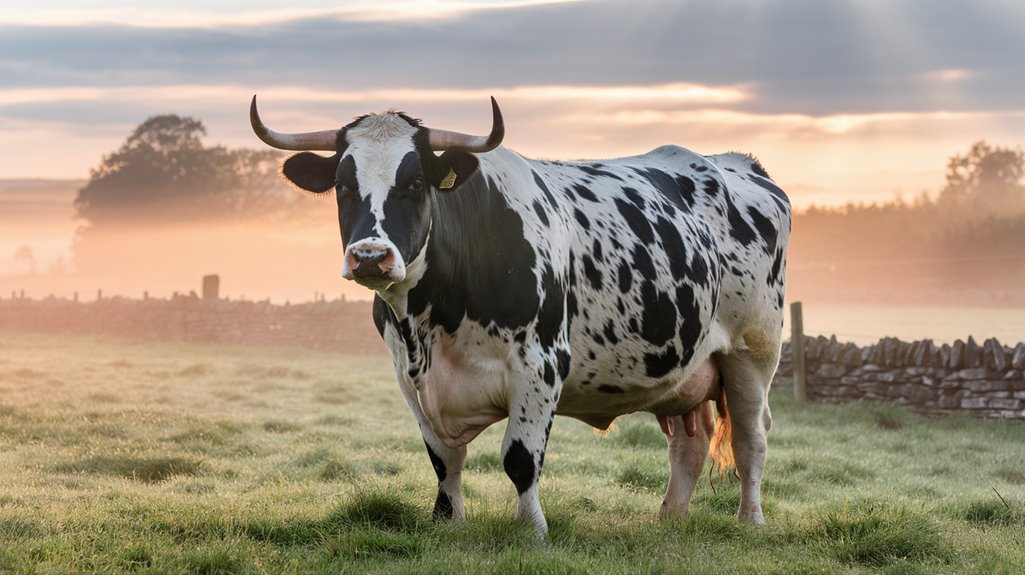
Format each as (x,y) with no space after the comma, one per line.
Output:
(447,461)
(448,466)
(531,411)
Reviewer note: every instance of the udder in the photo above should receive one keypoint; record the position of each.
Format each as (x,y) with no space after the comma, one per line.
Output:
(682,400)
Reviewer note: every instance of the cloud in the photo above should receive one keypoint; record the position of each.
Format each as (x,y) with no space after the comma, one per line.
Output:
(803,56)
(851,96)
(205,14)
(668,94)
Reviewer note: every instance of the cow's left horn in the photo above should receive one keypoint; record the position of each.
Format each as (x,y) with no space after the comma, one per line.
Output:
(441,140)
(326,140)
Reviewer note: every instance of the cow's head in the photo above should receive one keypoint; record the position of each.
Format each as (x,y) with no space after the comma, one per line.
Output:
(384,172)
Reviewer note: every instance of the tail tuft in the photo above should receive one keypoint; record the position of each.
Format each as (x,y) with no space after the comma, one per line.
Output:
(603,432)
(721,445)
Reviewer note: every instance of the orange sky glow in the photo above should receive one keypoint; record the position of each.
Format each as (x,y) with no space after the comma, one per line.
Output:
(825,159)
(847,101)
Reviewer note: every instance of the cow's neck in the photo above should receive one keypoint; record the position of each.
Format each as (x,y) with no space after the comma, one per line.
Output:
(477,265)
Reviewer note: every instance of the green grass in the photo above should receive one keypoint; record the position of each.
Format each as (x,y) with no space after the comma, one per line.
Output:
(127,457)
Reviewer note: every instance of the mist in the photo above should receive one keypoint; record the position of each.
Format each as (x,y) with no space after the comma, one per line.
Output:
(165,209)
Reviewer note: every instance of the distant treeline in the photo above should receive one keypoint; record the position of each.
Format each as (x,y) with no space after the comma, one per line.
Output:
(970,235)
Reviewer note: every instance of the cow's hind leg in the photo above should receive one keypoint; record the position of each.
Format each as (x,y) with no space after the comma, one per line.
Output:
(746,374)
(687,454)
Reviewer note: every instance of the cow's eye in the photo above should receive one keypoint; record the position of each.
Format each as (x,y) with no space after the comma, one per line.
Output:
(417,185)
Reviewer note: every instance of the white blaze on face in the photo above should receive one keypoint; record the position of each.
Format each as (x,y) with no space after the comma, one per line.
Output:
(378,145)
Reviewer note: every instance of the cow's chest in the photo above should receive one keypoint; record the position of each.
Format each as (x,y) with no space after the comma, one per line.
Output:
(463,391)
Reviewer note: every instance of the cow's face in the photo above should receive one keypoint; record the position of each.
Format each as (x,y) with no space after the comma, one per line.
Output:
(384,176)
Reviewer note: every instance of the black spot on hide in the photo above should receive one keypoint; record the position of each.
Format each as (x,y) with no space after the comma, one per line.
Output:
(765,228)
(581,219)
(658,323)
(690,320)
(549,375)
(642,262)
(637,221)
(591,272)
(442,506)
(551,314)
(562,358)
(585,192)
(659,364)
(596,171)
(739,228)
(519,466)
(540,211)
(437,463)
(625,277)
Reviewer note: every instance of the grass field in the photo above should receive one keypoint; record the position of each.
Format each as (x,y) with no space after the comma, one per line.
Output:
(119,457)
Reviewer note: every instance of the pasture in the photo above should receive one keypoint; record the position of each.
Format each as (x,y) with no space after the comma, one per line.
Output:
(120,456)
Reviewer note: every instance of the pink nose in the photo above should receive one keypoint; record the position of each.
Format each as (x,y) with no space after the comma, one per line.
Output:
(371,261)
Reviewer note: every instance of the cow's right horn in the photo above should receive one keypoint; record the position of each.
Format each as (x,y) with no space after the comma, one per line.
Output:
(326,140)
(441,140)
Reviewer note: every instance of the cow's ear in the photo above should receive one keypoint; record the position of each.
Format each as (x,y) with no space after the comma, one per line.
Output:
(311,172)
(453,169)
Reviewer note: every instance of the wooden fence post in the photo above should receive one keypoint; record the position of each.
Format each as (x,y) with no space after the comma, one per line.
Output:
(797,352)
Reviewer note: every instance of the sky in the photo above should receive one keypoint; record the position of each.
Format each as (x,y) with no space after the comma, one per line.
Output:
(843,100)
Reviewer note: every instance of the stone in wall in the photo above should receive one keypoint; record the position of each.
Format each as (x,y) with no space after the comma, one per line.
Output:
(1018,360)
(957,355)
(973,355)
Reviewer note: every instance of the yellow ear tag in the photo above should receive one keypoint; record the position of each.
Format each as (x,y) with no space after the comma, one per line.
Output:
(449,181)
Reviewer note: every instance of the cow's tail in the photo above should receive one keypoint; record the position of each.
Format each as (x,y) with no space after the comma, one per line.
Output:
(720,447)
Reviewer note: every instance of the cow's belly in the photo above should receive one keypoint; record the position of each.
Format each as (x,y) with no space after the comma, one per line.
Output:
(676,395)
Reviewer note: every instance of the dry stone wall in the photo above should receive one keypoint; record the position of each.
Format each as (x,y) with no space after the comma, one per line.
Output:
(985,380)
(327,325)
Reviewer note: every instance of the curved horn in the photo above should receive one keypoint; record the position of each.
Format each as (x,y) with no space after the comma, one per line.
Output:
(441,140)
(326,140)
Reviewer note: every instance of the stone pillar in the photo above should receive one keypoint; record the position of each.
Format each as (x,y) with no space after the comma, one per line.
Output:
(211,287)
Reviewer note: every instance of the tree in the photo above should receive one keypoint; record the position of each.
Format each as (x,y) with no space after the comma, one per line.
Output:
(986,180)
(24,256)
(164,179)
(161,172)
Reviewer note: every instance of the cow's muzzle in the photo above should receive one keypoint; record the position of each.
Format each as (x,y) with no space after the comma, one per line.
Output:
(375,265)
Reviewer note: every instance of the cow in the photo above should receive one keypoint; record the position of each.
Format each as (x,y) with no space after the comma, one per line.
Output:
(519,289)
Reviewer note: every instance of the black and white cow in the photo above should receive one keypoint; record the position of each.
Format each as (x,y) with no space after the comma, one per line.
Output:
(521,289)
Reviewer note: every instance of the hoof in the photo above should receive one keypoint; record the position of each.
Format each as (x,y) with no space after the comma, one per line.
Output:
(752,518)
(672,512)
